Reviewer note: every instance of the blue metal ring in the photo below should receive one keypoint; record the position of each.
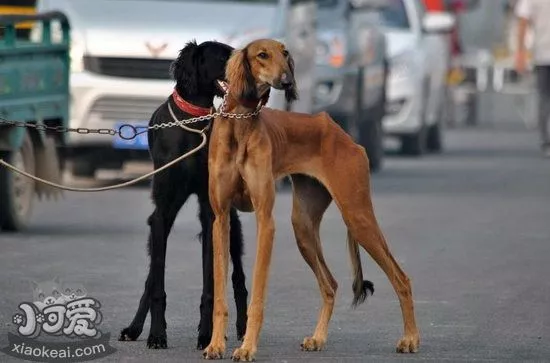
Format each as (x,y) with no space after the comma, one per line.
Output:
(133,135)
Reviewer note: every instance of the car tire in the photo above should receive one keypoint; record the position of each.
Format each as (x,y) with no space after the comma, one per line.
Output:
(434,138)
(83,168)
(370,137)
(17,191)
(370,132)
(414,144)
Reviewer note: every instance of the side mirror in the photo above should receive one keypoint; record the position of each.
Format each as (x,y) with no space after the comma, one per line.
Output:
(438,22)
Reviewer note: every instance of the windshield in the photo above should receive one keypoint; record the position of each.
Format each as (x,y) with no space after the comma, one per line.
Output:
(394,15)
(228,1)
(326,3)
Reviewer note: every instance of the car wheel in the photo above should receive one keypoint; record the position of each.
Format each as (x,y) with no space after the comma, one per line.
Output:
(83,168)
(370,137)
(369,128)
(17,191)
(434,138)
(414,144)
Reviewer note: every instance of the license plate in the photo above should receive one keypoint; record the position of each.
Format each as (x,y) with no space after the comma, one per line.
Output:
(139,142)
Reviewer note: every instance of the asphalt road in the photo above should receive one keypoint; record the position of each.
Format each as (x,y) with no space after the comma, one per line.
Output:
(471,227)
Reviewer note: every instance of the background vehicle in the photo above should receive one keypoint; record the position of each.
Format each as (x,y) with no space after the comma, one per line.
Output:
(120,63)
(19,7)
(417,91)
(34,88)
(351,72)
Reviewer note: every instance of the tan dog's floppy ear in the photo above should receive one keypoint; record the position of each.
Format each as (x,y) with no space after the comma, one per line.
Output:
(239,75)
(291,93)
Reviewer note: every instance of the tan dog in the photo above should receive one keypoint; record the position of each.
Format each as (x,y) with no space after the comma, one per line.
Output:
(246,157)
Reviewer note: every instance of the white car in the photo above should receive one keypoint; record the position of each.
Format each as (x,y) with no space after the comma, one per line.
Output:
(121,52)
(419,57)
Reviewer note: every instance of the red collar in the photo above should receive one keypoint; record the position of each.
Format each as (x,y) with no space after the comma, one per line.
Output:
(189,108)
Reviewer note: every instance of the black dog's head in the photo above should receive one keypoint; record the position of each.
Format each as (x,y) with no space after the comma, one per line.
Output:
(198,67)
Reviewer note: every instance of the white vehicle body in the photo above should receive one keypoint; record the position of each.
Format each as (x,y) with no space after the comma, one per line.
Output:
(419,57)
(121,52)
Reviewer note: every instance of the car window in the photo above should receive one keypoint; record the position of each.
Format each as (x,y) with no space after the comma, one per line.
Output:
(394,15)
(326,3)
(229,1)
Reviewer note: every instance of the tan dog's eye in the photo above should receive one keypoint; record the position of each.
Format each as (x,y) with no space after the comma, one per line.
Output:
(263,55)
(285,53)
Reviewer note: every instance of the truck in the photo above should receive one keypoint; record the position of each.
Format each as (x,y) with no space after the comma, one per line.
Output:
(34,106)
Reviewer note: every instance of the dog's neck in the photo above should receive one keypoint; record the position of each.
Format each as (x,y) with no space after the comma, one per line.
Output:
(243,105)
(202,98)
(195,106)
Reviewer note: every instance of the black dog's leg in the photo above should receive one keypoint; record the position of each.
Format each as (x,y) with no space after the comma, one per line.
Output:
(206,217)
(133,331)
(161,223)
(168,202)
(238,278)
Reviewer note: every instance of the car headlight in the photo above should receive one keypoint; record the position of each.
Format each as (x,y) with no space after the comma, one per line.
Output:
(331,49)
(401,66)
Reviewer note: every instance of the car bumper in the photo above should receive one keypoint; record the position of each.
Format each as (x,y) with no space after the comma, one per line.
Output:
(103,102)
(333,92)
(403,107)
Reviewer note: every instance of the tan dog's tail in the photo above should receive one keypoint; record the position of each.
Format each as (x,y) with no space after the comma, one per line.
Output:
(361,288)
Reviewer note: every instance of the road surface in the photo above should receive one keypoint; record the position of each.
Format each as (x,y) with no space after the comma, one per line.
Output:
(471,227)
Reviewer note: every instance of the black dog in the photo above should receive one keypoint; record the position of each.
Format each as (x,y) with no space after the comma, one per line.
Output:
(196,71)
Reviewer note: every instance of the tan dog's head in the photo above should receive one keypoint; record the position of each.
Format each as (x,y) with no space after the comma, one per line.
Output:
(261,64)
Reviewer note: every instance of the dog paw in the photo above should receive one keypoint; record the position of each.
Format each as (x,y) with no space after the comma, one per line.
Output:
(408,344)
(214,351)
(129,334)
(157,341)
(312,344)
(244,355)
(203,341)
(241,331)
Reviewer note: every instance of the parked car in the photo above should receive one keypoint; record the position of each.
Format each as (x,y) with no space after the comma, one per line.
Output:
(419,58)
(351,72)
(121,52)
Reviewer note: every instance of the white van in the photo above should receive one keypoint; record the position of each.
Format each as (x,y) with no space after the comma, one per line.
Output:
(121,52)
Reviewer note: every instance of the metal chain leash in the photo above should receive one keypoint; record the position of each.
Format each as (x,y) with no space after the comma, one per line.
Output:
(180,123)
(129,132)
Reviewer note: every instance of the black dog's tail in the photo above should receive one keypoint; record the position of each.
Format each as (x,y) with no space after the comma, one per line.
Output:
(361,288)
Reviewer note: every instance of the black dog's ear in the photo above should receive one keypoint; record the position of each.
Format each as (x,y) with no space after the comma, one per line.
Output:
(239,75)
(184,68)
(291,93)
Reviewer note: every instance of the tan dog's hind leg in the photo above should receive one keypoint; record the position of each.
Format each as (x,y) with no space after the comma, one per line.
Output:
(262,192)
(310,201)
(352,195)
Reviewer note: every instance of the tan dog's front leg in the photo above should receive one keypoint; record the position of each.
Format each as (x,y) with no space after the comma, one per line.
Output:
(220,195)
(262,191)
(220,241)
